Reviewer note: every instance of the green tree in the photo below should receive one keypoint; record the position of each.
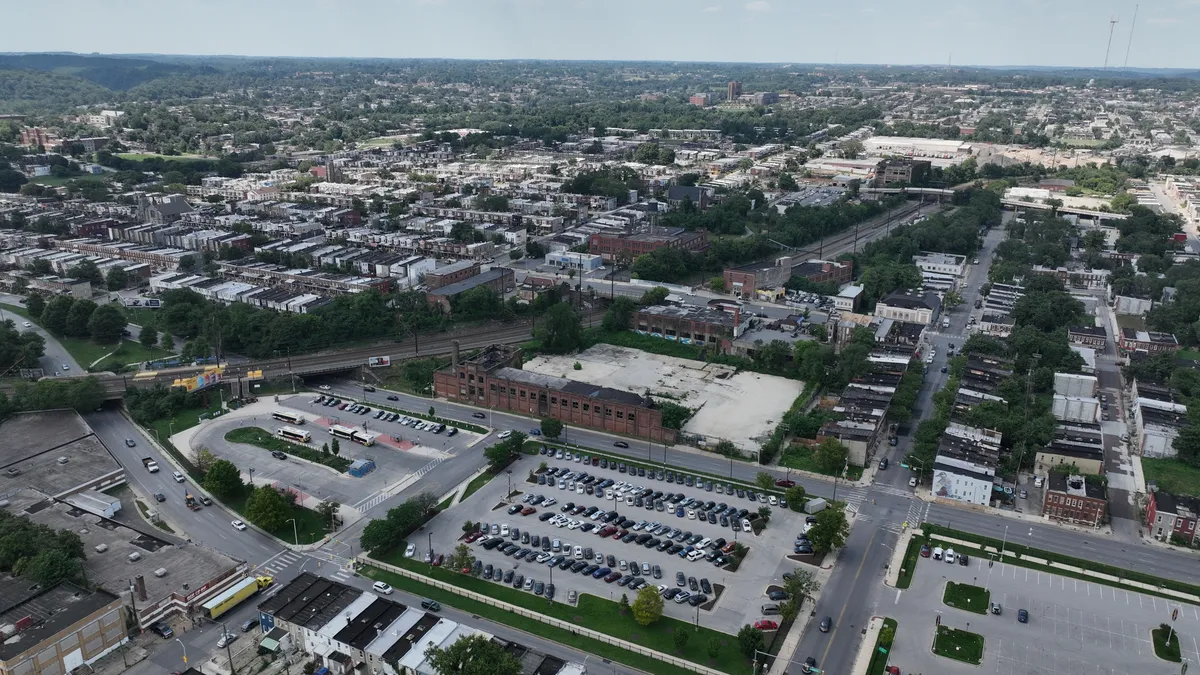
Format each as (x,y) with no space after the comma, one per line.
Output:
(831,456)
(624,603)
(474,654)
(51,566)
(503,453)
(204,459)
(764,480)
(117,278)
(224,480)
(647,606)
(54,317)
(461,559)
(78,317)
(619,314)
(654,296)
(750,640)
(717,284)
(680,638)
(786,182)
(106,324)
(87,271)
(551,427)
(800,585)
(851,149)
(167,342)
(714,647)
(830,530)
(796,496)
(887,635)
(268,508)
(335,447)
(764,513)
(36,304)
(148,337)
(328,508)
(561,330)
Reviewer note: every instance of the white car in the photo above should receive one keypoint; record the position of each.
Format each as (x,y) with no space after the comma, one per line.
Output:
(66,366)
(410,550)
(504,530)
(504,434)
(238,525)
(177,476)
(324,387)
(226,639)
(27,324)
(549,502)
(912,482)
(381,587)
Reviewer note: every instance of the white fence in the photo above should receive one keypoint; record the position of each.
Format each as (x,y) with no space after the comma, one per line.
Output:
(550,621)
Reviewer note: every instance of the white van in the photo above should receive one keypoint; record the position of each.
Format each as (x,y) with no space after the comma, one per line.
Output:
(695,555)
(937,553)
(381,587)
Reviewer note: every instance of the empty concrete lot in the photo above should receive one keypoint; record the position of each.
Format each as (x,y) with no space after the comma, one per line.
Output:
(744,590)
(1074,627)
(743,407)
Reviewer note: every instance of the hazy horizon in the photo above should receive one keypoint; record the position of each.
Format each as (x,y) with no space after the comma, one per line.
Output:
(1062,34)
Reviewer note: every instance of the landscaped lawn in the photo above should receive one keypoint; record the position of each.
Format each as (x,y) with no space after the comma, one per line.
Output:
(879,660)
(596,613)
(959,645)
(1162,649)
(264,439)
(309,528)
(477,483)
(909,566)
(1172,475)
(966,596)
(185,419)
(1131,321)
(799,457)
(131,353)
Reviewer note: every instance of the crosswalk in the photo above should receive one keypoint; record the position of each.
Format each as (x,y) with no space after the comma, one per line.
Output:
(381,496)
(854,498)
(280,562)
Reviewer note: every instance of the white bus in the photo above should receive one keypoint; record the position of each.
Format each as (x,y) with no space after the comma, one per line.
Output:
(289,417)
(294,434)
(351,434)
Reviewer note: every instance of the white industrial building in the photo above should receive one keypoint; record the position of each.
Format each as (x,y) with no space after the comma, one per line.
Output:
(930,148)
(570,260)
(941,263)
(1076,408)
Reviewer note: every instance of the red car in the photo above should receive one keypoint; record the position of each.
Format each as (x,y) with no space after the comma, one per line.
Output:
(528,510)
(620,533)
(785,483)
(437,560)
(924,550)
(766,624)
(473,536)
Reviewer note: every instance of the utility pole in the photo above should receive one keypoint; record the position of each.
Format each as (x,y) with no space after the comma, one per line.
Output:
(1112,25)
(1130,43)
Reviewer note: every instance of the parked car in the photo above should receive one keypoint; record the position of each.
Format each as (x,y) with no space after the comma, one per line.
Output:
(766,624)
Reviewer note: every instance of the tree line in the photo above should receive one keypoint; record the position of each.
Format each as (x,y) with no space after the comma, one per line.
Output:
(82,318)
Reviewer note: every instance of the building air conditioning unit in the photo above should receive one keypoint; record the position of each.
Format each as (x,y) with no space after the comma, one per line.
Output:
(160,572)
(100,548)
(135,556)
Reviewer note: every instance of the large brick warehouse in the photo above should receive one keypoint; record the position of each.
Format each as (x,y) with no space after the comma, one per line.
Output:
(489,380)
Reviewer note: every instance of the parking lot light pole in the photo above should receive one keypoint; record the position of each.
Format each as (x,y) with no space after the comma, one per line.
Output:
(508,495)
(295,532)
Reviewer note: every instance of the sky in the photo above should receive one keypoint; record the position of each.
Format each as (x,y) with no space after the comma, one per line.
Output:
(892,32)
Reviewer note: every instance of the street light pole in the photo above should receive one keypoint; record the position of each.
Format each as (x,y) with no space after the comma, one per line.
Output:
(184,650)
(295,532)
(228,651)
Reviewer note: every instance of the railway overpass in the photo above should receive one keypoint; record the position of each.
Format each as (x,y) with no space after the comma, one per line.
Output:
(329,362)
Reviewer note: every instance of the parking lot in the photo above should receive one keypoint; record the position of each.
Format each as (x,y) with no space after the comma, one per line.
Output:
(736,597)
(1074,626)
(398,450)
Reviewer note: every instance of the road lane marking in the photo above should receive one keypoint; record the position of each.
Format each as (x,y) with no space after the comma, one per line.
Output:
(898,591)
(854,582)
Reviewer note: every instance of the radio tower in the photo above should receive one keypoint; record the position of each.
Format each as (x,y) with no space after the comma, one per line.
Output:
(1112,25)
(1130,43)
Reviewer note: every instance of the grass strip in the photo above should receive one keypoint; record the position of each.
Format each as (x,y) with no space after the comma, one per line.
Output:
(477,484)
(593,612)
(959,645)
(879,659)
(966,596)
(264,439)
(1022,552)
(908,566)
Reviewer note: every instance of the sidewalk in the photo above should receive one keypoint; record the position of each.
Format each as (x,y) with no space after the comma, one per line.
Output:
(801,624)
(866,648)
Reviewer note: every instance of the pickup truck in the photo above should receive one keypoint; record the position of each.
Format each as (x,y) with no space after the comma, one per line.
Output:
(150,464)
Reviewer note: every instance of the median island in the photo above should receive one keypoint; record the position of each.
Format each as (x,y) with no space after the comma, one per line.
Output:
(264,439)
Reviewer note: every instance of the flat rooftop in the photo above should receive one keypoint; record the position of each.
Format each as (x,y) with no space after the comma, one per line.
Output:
(111,569)
(35,444)
(51,610)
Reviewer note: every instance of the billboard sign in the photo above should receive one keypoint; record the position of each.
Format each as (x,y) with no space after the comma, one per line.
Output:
(379,361)
(199,381)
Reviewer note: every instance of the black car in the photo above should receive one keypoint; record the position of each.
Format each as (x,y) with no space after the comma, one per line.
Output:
(393,397)
(621,444)
(508,577)
(478,415)
(160,497)
(164,631)
(487,571)
(697,599)
(693,584)
(705,586)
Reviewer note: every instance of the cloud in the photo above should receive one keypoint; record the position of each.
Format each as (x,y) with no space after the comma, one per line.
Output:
(758,6)
(710,10)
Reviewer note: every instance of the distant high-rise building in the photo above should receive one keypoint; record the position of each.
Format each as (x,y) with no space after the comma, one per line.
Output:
(734,91)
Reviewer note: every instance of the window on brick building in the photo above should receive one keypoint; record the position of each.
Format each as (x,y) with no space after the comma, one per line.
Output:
(620,415)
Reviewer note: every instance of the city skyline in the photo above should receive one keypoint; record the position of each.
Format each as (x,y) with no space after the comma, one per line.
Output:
(1071,34)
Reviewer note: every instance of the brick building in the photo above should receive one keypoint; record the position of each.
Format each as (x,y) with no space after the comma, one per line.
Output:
(824,271)
(690,325)
(489,380)
(1153,343)
(629,246)
(1169,515)
(499,279)
(1088,336)
(746,280)
(902,172)
(1075,499)
(451,274)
